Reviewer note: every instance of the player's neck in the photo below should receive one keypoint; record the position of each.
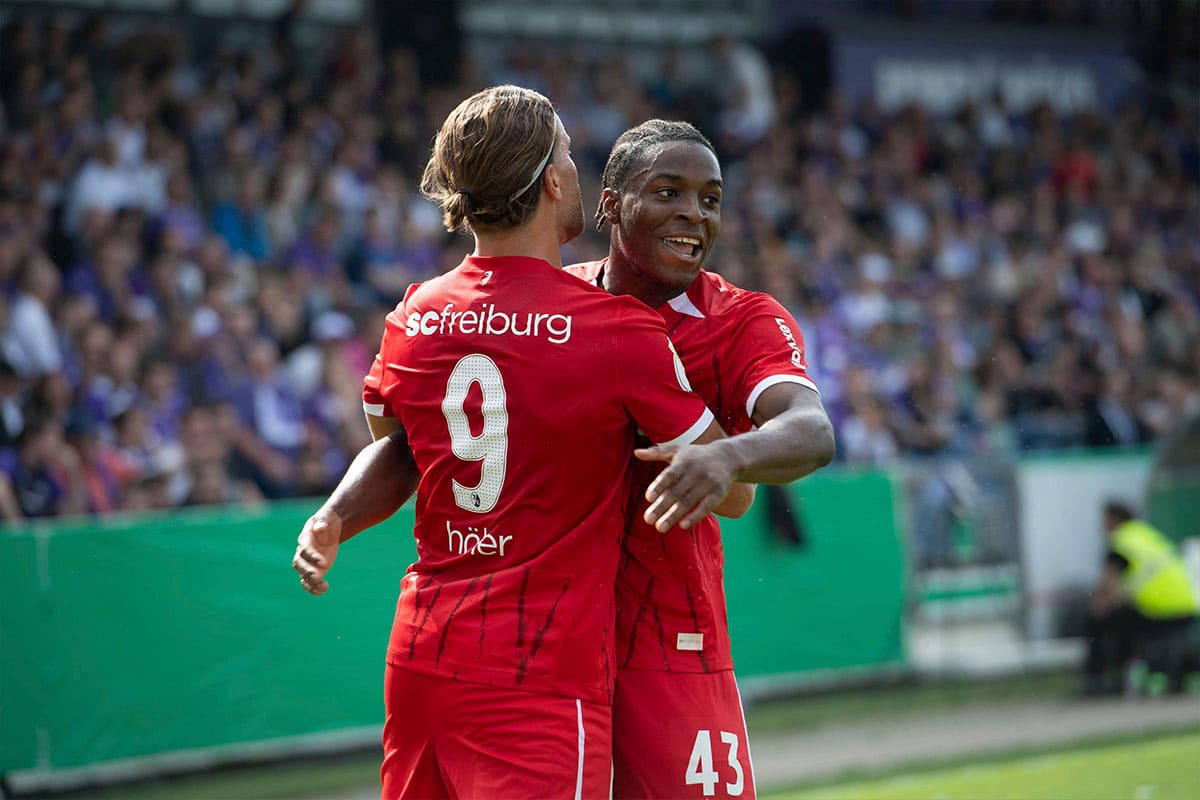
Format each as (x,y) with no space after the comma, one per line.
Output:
(539,238)
(621,278)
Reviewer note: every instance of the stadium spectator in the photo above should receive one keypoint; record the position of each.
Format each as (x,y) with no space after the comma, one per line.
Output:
(271,434)
(208,478)
(45,473)
(12,412)
(31,343)
(242,222)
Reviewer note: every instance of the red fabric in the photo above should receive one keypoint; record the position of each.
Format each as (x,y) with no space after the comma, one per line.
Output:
(672,584)
(450,739)
(521,595)
(658,718)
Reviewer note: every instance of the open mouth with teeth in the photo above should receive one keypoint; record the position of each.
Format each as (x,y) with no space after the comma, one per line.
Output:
(686,246)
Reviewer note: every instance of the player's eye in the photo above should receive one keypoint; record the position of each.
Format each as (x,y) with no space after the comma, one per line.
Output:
(713,200)
(667,192)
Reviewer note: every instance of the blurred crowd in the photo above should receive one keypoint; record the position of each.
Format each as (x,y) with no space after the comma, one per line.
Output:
(197,252)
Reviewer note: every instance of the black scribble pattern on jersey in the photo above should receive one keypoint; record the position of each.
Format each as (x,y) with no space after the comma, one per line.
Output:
(633,505)
(419,625)
(637,621)
(521,608)
(540,636)
(662,634)
(718,407)
(446,627)
(487,590)
(604,658)
(691,598)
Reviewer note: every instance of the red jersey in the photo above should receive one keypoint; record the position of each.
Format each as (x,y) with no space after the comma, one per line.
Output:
(734,344)
(521,390)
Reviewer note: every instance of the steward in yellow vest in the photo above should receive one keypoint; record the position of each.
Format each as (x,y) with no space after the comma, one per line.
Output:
(1156,580)
(1144,606)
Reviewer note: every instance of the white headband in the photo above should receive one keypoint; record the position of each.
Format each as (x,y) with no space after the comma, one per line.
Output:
(537,171)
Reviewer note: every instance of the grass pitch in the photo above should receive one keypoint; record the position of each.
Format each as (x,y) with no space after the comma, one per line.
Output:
(1165,768)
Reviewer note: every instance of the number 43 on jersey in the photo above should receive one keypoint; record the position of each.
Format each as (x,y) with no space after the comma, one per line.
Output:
(700,764)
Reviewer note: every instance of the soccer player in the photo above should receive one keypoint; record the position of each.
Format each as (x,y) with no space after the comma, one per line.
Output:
(678,726)
(518,390)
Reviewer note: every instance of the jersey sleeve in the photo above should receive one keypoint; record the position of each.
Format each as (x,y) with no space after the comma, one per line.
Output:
(652,383)
(768,349)
(374,402)
(372,395)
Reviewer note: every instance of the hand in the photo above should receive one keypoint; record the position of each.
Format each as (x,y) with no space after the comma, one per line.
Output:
(316,549)
(695,481)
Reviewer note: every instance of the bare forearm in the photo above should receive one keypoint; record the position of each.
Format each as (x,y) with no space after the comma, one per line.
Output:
(737,502)
(784,449)
(378,482)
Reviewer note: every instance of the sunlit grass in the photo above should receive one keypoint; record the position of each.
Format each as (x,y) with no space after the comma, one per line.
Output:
(1166,768)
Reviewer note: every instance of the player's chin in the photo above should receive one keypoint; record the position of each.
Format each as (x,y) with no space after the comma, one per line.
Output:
(680,267)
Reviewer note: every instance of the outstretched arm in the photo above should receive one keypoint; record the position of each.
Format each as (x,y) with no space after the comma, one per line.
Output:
(794,438)
(380,479)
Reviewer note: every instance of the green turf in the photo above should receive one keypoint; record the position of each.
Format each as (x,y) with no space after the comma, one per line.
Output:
(1166,768)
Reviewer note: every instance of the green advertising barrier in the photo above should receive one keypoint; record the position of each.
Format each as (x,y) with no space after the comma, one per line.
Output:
(141,636)
(825,599)
(133,637)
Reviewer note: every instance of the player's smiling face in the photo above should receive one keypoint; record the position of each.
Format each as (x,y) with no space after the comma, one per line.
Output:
(670,214)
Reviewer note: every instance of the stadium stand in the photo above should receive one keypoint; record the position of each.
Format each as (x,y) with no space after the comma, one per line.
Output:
(197,250)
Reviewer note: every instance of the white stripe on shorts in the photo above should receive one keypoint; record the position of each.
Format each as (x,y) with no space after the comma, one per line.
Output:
(749,758)
(579,773)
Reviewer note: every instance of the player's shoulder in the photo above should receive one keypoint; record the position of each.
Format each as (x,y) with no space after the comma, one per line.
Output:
(718,297)
(588,271)
(433,286)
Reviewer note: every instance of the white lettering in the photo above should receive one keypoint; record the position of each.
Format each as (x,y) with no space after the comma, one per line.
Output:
(488,320)
(492,316)
(943,85)
(475,542)
(559,326)
(797,353)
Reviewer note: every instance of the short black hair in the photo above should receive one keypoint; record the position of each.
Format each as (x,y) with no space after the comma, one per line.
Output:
(1118,511)
(633,145)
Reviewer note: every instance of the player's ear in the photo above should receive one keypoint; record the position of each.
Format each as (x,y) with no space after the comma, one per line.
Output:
(552,182)
(610,206)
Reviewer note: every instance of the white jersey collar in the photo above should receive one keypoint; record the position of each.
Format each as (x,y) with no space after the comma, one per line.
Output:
(684,305)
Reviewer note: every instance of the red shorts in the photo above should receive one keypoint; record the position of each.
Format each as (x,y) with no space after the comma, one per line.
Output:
(451,739)
(679,735)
